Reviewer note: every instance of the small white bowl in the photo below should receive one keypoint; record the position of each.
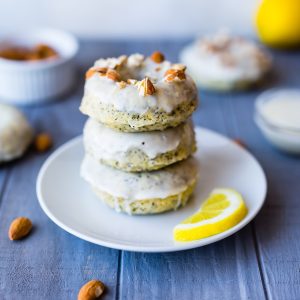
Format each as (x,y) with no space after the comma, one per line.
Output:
(285,138)
(24,82)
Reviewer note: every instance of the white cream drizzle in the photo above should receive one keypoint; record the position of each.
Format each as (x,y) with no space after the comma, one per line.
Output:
(166,98)
(139,186)
(108,144)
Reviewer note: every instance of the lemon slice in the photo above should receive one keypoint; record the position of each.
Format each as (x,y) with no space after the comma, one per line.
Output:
(223,209)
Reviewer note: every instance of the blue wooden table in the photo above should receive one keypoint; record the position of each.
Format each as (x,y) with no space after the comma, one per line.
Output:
(262,261)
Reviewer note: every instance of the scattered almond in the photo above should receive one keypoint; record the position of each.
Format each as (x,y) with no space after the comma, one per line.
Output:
(122,84)
(19,228)
(43,142)
(240,143)
(157,57)
(174,75)
(146,87)
(113,75)
(91,290)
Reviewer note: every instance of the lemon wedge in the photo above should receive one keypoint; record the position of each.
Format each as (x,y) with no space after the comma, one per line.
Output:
(223,209)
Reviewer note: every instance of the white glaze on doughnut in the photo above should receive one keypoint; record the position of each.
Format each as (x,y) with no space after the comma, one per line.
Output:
(166,98)
(140,186)
(225,58)
(109,144)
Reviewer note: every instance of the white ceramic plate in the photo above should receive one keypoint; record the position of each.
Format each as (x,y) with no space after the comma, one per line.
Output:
(69,202)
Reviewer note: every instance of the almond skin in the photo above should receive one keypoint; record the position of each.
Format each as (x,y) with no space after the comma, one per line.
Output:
(157,57)
(19,228)
(91,290)
(174,75)
(43,142)
(113,75)
(101,71)
(146,87)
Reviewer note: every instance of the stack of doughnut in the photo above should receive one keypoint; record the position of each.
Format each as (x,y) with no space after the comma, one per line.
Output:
(139,139)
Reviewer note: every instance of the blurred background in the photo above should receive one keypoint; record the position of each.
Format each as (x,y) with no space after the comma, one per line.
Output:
(131,18)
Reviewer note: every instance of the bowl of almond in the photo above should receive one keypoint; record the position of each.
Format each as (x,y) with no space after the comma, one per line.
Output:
(36,66)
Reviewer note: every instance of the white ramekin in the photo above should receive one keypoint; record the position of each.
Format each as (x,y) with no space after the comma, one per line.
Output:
(24,83)
(285,139)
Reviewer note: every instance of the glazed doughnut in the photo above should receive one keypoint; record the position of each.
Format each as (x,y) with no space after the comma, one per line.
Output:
(224,62)
(135,93)
(140,151)
(145,192)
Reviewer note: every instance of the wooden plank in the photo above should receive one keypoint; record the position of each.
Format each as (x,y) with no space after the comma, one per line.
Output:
(50,263)
(277,227)
(225,270)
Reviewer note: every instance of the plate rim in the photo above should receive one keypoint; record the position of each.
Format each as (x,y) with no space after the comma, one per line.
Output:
(178,246)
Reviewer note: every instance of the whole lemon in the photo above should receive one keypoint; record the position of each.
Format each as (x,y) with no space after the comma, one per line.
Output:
(278,23)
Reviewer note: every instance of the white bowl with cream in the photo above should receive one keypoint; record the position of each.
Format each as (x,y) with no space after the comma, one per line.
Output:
(26,82)
(278,117)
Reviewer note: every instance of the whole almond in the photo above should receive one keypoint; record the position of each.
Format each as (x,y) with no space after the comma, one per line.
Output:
(19,228)
(157,57)
(43,142)
(91,290)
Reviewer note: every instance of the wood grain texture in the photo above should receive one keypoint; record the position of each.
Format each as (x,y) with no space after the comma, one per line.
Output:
(228,269)
(225,270)
(276,228)
(50,263)
(261,261)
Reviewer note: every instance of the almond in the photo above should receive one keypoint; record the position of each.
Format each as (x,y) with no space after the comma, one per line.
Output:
(91,290)
(157,57)
(89,73)
(43,142)
(131,81)
(101,71)
(179,67)
(122,84)
(19,228)
(146,87)
(174,75)
(113,75)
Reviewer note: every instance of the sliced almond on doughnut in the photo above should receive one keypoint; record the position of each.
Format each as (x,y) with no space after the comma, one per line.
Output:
(113,75)
(174,75)
(121,84)
(180,67)
(131,81)
(157,57)
(146,87)
(101,71)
